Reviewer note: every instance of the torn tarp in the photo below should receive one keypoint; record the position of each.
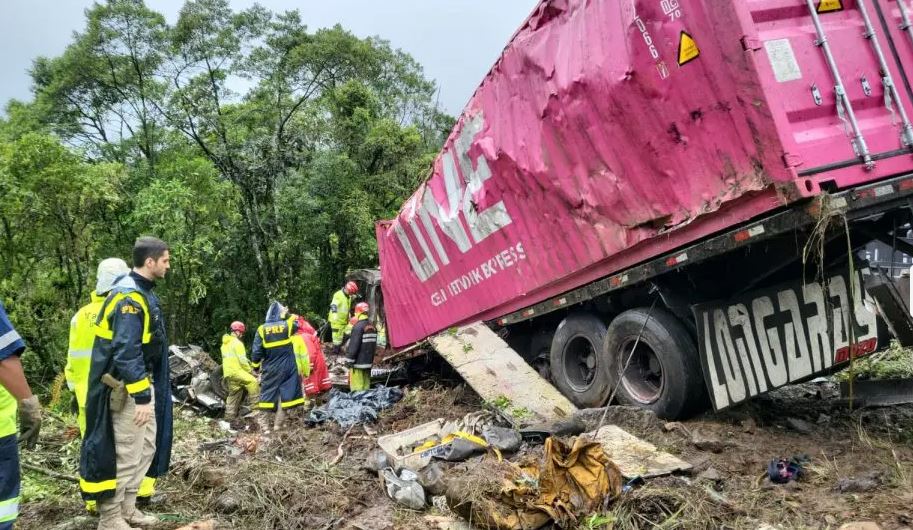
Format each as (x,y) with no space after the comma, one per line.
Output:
(347,409)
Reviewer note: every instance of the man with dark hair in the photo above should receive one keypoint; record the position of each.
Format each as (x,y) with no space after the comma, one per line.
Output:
(13,389)
(128,407)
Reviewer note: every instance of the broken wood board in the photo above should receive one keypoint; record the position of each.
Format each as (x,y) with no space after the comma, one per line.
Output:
(636,457)
(496,372)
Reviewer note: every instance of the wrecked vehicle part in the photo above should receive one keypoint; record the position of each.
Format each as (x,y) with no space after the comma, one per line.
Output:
(196,379)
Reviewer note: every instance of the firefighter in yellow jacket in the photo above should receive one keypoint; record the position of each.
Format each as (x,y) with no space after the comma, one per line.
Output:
(339,313)
(237,372)
(82,334)
(82,337)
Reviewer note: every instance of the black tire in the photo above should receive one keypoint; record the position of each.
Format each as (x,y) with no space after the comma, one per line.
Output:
(539,352)
(664,372)
(218,383)
(577,368)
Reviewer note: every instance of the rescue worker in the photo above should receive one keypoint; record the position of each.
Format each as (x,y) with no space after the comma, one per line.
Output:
(339,313)
(82,334)
(361,350)
(82,337)
(237,372)
(128,406)
(274,350)
(13,388)
(319,379)
(361,307)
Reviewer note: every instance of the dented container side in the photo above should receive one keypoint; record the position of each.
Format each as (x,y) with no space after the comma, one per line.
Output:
(607,133)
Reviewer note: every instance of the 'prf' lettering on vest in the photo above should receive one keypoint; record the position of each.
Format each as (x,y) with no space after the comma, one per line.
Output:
(274,329)
(463,178)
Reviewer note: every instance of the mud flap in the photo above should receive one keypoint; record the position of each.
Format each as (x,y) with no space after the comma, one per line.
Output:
(892,298)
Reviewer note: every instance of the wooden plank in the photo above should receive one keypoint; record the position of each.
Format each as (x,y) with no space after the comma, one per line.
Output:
(496,372)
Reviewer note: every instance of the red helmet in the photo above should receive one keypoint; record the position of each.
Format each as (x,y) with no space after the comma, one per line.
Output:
(351,288)
(238,326)
(361,307)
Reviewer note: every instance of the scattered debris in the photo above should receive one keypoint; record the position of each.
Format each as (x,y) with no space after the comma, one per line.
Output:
(502,438)
(635,457)
(801,426)
(404,489)
(749,425)
(861,484)
(676,426)
(196,379)
(711,475)
(375,518)
(707,441)
(782,471)
(862,525)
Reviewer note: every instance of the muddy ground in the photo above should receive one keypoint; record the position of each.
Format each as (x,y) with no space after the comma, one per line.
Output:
(291,482)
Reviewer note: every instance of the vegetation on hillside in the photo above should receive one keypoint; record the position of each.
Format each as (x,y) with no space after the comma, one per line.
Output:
(261,150)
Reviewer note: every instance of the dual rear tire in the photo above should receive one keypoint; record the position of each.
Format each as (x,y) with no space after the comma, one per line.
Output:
(646,356)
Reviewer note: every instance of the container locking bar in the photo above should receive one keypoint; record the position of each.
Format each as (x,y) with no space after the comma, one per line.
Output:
(905,18)
(844,106)
(891,94)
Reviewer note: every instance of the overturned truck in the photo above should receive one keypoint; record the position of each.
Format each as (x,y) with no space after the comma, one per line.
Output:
(671,198)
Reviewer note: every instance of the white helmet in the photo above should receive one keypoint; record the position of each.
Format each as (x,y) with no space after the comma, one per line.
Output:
(109,270)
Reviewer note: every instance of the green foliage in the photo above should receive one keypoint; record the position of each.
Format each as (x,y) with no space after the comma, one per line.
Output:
(262,151)
(894,363)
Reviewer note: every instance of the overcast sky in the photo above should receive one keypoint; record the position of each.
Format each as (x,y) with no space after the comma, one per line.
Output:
(456,41)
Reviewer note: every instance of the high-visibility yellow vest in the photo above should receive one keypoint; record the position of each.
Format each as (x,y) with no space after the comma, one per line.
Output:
(340,317)
(8,407)
(79,354)
(302,358)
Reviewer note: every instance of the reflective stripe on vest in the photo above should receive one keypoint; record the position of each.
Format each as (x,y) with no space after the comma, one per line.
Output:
(276,343)
(80,354)
(8,338)
(103,326)
(9,510)
(97,487)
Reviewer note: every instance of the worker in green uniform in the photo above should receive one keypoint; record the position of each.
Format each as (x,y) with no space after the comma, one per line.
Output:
(14,394)
(339,313)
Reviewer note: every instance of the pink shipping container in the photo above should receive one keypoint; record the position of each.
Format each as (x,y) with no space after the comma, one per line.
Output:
(612,131)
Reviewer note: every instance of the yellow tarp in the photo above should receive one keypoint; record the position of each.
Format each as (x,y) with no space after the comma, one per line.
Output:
(571,482)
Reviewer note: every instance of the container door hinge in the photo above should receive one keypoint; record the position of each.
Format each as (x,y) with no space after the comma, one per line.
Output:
(791,160)
(751,43)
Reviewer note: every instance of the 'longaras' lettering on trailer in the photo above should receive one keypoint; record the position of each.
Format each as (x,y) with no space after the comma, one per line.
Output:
(769,338)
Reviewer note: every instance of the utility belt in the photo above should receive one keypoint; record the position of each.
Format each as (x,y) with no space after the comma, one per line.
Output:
(119,392)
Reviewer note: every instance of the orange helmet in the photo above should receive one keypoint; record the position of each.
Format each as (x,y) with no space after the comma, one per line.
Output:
(351,288)
(361,307)
(238,326)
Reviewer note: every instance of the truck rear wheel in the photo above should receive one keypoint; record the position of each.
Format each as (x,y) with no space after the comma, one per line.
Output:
(664,371)
(577,368)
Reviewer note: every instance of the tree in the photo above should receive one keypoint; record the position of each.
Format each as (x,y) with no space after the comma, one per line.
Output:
(261,151)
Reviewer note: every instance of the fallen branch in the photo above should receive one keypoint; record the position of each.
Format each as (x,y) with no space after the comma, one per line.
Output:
(48,472)
(339,451)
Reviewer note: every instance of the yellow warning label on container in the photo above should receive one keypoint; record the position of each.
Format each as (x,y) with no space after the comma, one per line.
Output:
(687,49)
(827,6)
